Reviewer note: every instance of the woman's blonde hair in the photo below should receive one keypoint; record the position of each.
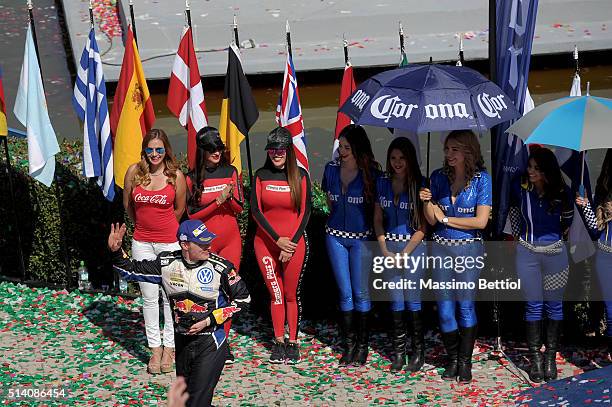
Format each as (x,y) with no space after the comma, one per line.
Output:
(470,147)
(143,175)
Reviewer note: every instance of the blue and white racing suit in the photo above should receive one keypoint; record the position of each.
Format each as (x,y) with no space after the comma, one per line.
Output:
(348,227)
(541,257)
(458,243)
(397,221)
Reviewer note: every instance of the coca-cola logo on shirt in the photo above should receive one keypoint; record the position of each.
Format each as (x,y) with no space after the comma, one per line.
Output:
(159,199)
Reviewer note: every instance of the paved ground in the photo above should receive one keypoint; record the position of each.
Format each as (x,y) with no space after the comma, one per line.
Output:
(317,27)
(94,346)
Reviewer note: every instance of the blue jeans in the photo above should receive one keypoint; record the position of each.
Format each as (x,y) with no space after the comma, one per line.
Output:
(456,307)
(349,261)
(543,281)
(603,268)
(406,299)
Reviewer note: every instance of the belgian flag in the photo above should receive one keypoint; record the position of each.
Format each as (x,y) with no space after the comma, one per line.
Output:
(238,110)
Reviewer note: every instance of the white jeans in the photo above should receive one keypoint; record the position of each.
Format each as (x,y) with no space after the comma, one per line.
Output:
(150,295)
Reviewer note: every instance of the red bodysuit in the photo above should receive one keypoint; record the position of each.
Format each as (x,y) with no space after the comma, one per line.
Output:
(276,216)
(220,219)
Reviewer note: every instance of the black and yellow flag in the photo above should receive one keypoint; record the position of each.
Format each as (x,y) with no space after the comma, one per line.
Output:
(238,110)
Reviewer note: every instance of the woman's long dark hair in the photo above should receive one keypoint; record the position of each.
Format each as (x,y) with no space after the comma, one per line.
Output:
(603,192)
(198,175)
(412,181)
(554,185)
(291,169)
(361,149)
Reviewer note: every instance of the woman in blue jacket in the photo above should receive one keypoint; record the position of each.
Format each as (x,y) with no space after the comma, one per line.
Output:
(458,207)
(350,184)
(400,227)
(541,213)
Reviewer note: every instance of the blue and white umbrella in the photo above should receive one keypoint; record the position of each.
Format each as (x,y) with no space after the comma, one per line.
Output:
(429,98)
(580,123)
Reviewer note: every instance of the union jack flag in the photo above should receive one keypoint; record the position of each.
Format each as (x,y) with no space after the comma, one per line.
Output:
(289,113)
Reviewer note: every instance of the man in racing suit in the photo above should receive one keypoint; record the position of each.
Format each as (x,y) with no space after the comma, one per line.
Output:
(204,291)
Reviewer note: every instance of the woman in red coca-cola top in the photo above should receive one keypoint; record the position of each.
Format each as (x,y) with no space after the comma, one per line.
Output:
(154,198)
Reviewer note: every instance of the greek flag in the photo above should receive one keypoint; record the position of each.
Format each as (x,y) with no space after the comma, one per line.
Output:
(89,101)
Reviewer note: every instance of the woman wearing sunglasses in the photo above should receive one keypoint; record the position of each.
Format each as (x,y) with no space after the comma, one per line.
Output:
(281,203)
(216,199)
(154,198)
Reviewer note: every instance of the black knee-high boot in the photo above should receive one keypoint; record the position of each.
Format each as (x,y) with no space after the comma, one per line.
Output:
(467,339)
(363,338)
(553,336)
(534,343)
(349,343)
(398,358)
(451,343)
(417,360)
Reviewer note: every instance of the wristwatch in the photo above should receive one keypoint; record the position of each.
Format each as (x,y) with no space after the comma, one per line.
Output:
(445,220)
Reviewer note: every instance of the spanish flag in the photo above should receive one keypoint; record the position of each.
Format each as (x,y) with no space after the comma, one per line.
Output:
(132,114)
(238,110)
(3,125)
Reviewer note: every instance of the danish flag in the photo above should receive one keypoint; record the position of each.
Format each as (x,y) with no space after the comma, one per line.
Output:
(289,113)
(186,95)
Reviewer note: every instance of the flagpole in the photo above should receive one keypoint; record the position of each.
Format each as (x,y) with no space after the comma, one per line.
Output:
(401,40)
(288,39)
(133,22)
(62,236)
(91,17)
(346,54)
(461,61)
(188,13)
(428,141)
(235,29)
(246,136)
(581,190)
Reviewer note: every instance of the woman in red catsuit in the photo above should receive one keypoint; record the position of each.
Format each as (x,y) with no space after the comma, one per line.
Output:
(281,203)
(216,199)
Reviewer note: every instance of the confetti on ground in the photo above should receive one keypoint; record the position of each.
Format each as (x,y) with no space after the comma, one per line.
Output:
(94,345)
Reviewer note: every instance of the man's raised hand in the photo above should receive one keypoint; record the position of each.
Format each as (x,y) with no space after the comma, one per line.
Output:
(115,238)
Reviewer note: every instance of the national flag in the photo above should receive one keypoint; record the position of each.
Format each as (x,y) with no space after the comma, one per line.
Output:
(580,244)
(515,29)
(31,110)
(238,109)
(346,90)
(132,114)
(403,59)
(90,104)
(186,95)
(3,125)
(289,113)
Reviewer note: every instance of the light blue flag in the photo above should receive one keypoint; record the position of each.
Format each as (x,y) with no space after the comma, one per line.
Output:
(89,100)
(31,110)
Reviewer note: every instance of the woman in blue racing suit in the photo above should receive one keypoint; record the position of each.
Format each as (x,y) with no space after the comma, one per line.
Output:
(400,227)
(458,206)
(350,184)
(541,213)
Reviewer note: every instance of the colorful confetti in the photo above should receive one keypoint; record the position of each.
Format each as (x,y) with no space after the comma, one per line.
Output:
(95,346)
